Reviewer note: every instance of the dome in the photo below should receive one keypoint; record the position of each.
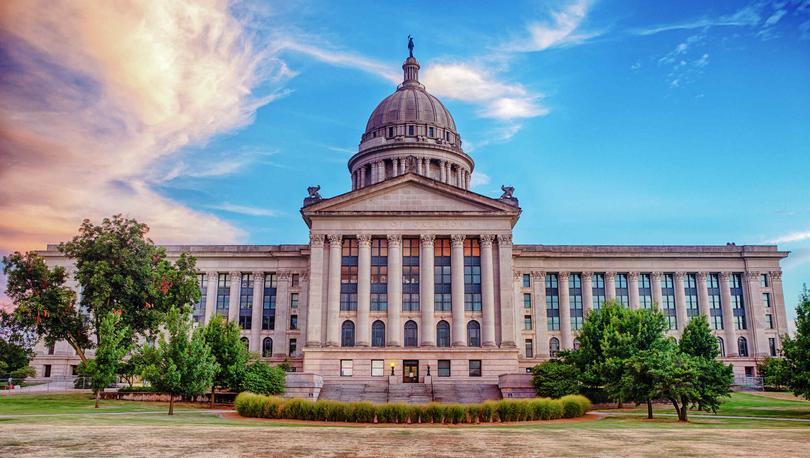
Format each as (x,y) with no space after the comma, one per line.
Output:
(410,130)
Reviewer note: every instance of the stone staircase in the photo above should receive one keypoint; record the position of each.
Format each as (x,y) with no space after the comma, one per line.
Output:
(352,392)
(465,393)
(409,393)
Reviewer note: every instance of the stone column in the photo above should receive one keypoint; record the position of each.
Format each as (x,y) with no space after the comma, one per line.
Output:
(728,315)
(565,312)
(280,334)
(443,171)
(393,330)
(457,281)
(657,295)
(256,315)
(587,293)
(633,289)
(610,285)
(487,291)
(426,290)
(680,301)
(506,290)
(703,295)
(211,295)
(333,296)
(778,305)
(303,309)
(382,170)
(467,180)
(395,163)
(757,312)
(402,166)
(233,300)
(539,305)
(449,171)
(363,176)
(420,167)
(315,296)
(363,290)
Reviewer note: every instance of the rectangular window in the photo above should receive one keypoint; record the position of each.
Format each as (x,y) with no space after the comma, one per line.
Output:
(47,373)
(74,370)
(772,346)
(346,367)
(295,280)
(377,367)
(645,291)
(410,130)
(529,348)
(293,322)
(766,299)
(348,275)
(390,132)
(691,295)
(223,294)
(293,347)
(199,308)
(715,310)
(410,275)
(527,301)
(475,368)
(622,293)
(246,301)
(379,275)
(444,368)
(769,321)
(294,300)
(269,302)
(527,322)
(442,288)
(552,302)
(598,288)
(575,301)
(763,280)
(737,302)
(668,300)
(430,132)
(472,275)
(527,280)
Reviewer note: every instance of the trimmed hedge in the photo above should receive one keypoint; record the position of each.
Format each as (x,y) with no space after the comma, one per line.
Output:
(137,389)
(507,410)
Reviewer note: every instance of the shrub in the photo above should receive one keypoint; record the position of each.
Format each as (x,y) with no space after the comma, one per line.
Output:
(555,379)
(435,413)
(261,378)
(473,412)
(385,413)
(487,413)
(361,412)
(271,407)
(574,406)
(401,413)
(249,404)
(455,414)
(420,413)
(138,389)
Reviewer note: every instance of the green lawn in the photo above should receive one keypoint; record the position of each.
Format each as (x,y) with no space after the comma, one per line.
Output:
(747,405)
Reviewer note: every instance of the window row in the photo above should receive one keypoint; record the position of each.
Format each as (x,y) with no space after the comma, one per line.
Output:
(443,368)
(411,335)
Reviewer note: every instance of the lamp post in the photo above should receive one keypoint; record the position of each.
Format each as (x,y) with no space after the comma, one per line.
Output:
(393,364)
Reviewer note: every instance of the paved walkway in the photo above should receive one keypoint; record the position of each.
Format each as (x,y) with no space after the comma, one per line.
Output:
(693,415)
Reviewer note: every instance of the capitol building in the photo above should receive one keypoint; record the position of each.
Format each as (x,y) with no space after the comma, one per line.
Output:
(411,277)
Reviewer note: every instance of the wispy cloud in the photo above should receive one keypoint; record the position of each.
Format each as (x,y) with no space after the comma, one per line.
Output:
(479,179)
(245,210)
(561,30)
(749,15)
(791,237)
(98,96)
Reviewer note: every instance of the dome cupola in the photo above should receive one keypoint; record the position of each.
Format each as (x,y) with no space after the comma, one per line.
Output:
(410,130)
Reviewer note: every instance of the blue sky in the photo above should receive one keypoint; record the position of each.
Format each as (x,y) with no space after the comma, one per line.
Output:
(617,122)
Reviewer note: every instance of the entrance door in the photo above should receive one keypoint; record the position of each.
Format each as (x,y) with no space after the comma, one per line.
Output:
(410,371)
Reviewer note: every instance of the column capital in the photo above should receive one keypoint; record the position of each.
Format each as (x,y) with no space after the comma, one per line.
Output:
(235,273)
(364,239)
(487,239)
(504,239)
(587,275)
(335,240)
(610,276)
(212,273)
(427,239)
(656,275)
(725,276)
(316,240)
(258,274)
(632,275)
(284,275)
(752,275)
(679,276)
(304,276)
(394,239)
(776,275)
(517,275)
(701,276)
(458,240)
(563,276)
(539,274)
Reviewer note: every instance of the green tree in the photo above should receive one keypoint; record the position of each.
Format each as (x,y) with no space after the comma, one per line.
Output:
(112,346)
(16,345)
(796,350)
(697,339)
(775,373)
(261,378)
(229,352)
(182,363)
(556,378)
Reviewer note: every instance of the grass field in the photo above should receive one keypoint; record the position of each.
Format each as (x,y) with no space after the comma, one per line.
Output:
(67,425)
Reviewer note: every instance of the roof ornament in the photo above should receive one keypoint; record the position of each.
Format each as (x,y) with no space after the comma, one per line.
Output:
(410,45)
(314,195)
(507,196)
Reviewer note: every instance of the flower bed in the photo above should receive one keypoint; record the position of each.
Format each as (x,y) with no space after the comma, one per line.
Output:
(259,406)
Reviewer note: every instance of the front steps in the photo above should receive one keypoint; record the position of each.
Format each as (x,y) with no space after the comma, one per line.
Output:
(410,393)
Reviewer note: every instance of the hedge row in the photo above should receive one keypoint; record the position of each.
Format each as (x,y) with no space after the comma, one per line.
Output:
(259,406)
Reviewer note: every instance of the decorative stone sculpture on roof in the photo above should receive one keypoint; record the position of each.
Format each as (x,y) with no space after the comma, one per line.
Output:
(410,45)
(314,195)
(508,196)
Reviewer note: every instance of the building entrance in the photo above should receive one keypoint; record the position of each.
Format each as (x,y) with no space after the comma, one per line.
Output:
(410,371)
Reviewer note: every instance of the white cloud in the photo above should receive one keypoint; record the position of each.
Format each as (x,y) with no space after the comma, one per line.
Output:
(104,95)
(244,210)
(560,31)
(326,54)
(791,237)
(479,179)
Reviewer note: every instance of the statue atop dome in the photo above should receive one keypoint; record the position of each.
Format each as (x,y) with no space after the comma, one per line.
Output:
(410,45)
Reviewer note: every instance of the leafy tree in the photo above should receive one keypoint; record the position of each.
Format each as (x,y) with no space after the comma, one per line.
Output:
(229,352)
(182,364)
(23,372)
(113,345)
(556,378)
(797,349)
(697,339)
(16,345)
(261,378)
(775,373)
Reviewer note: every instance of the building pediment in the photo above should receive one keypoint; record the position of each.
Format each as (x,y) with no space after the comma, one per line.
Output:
(410,194)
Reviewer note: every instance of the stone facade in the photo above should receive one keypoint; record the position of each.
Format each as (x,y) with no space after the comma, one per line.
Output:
(413,273)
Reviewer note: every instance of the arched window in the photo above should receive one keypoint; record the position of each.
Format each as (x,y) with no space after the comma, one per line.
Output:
(576,344)
(473,334)
(742,346)
(442,334)
(246,342)
(378,334)
(347,334)
(411,338)
(267,347)
(721,347)
(553,347)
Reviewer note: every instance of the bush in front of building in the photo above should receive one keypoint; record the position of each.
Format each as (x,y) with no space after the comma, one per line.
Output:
(507,410)
(262,378)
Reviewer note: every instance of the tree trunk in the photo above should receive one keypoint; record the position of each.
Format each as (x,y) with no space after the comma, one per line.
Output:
(649,409)
(213,388)
(79,351)
(171,403)
(620,405)
(98,396)
(677,408)
(682,414)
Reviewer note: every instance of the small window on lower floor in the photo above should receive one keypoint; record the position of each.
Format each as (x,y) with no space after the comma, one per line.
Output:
(377,368)
(475,368)
(74,370)
(346,366)
(444,368)
(529,348)
(293,347)
(47,371)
